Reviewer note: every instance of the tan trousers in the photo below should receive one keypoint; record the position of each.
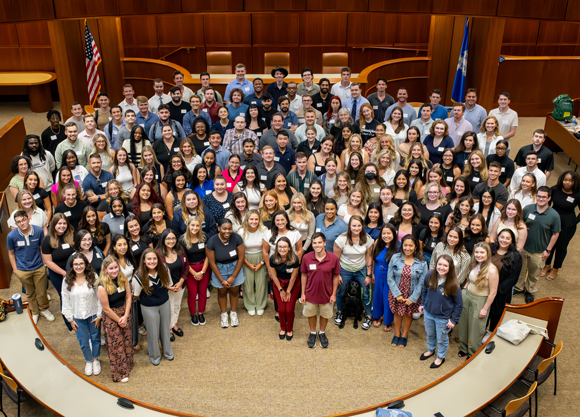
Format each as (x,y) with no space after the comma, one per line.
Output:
(34,282)
(532,265)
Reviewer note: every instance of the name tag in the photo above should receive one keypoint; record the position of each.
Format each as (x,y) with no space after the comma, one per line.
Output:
(110,118)
(531,216)
(205,143)
(259,134)
(460,133)
(175,149)
(289,270)
(539,160)
(312,267)
(253,102)
(201,245)
(306,185)
(53,137)
(389,217)
(183,111)
(227,205)
(318,169)
(98,256)
(263,177)
(229,184)
(352,181)
(21,243)
(233,253)
(242,167)
(449,179)
(242,114)
(205,110)
(156,176)
(476,179)
(375,107)
(104,184)
(277,158)
(120,290)
(36,196)
(433,244)
(376,190)
(263,118)
(246,88)
(121,226)
(318,104)
(142,124)
(67,213)
(289,124)
(570,199)
(441,149)
(135,247)
(207,192)
(502,169)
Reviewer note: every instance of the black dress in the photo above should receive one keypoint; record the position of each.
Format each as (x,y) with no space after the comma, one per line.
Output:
(508,277)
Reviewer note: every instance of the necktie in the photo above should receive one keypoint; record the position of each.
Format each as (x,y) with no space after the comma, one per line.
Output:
(353,111)
(160,100)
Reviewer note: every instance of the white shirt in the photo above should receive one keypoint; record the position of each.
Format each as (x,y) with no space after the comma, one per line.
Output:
(506,120)
(397,137)
(81,302)
(295,104)
(235,225)
(293,235)
(79,174)
(38,218)
(340,91)
(301,133)
(353,256)
(252,195)
(524,200)
(519,173)
(44,168)
(482,139)
(154,102)
(126,106)
(196,160)
(389,177)
(253,241)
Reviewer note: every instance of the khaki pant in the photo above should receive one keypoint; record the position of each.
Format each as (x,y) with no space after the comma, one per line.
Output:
(532,265)
(256,284)
(175,306)
(34,282)
(471,327)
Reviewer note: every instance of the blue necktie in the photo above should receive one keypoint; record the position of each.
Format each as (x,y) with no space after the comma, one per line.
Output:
(353,111)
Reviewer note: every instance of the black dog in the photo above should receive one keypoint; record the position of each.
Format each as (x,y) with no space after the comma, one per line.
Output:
(352,305)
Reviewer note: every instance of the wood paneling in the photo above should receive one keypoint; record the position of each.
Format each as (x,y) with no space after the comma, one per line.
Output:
(338,5)
(258,57)
(149,6)
(573,11)
(440,39)
(371,29)
(111,48)
(33,34)
(520,31)
(559,33)
(227,29)
(192,58)
(521,50)
(311,56)
(472,7)
(36,59)
(412,29)
(85,8)
(8,35)
(263,5)
(139,32)
(11,139)
(11,59)
(240,54)
(323,28)
(276,29)
(16,10)
(180,30)
(212,5)
(144,52)
(410,6)
(539,9)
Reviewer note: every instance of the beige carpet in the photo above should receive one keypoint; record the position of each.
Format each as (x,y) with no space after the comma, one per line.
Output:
(248,371)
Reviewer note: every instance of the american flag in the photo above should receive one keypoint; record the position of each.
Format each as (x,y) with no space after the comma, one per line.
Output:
(92,61)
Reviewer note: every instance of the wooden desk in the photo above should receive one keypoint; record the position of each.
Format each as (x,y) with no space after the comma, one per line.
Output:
(37,85)
(563,137)
(218,79)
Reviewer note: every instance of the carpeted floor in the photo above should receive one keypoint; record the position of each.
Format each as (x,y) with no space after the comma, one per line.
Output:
(248,371)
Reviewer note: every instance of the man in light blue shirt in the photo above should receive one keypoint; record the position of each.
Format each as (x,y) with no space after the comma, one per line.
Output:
(114,126)
(240,82)
(222,155)
(145,118)
(290,118)
(439,112)
(354,103)
(474,113)
(335,229)
(409,113)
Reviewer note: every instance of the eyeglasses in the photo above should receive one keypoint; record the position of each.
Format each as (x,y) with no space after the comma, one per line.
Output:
(542,197)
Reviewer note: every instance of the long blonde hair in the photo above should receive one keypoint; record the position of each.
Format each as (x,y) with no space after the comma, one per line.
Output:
(144,149)
(188,236)
(68,235)
(533,190)
(482,169)
(122,193)
(421,158)
(108,152)
(105,279)
(391,149)
(442,200)
(335,188)
(485,266)
(306,214)
(246,227)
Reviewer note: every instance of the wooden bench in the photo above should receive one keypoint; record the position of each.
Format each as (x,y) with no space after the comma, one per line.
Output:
(36,85)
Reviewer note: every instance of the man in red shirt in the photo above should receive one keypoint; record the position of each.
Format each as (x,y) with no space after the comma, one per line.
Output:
(210,105)
(320,274)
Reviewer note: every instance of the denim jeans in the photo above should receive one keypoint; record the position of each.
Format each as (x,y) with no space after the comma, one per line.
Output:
(437,334)
(360,277)
(86,331)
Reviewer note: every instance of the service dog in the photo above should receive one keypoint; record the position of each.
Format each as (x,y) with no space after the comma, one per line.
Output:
(352,305)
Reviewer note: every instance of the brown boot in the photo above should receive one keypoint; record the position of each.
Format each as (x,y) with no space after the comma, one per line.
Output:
(552,274)
(545,270)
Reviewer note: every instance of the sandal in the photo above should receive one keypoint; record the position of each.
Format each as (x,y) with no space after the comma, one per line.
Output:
(553,273)
(403,342)
(395,341)
(545,270)
(377,323)
(388,328)
(462,354)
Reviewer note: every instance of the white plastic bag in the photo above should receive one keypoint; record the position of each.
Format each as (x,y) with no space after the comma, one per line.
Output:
(515,331)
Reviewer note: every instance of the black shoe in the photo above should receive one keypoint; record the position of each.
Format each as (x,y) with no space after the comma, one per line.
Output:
(529,298)
(424,358)
(289,338)
(433,366)
(201,319)
(277,318)
(338,318)
(172,337)
(518,292)
(282,336)
(311,342)
(194,320)
(323,340)
(178,332)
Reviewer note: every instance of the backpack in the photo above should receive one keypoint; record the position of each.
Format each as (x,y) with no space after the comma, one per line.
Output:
(563,107)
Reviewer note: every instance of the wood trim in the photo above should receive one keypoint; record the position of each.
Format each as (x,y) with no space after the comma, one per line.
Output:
(186,74)
(364,74)
(541,58)
(52,77)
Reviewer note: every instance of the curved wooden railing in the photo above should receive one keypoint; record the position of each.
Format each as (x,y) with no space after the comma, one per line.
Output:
(415,70)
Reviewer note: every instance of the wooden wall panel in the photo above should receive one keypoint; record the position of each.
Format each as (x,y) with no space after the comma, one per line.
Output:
(227,29)
(33,33)
(11,60)
(133,7)
(193,59)
(440,39)
(311,56)
(36,59)
(142,52)
(556,50)
(521,50)
(338,5)
(240,54)
(520,31)
(111,48)
(139,32)
(180,30)
(258,57)
(472,7)
(412,29)
(276,29)
(18,10)
(84,8)
(573,11)
(371,29)
(278,5)
(539,9)
(8,35)
(559,33)
(212,5)
(410,6)
(323,28)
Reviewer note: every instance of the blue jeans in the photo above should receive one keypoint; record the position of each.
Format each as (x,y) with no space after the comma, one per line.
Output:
(86,331)
(360,277)
(437,334)
(56,280)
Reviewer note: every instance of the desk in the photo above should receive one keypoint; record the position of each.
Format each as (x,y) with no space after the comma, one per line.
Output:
(37,85)
(480,380)
(561,135)
(268,79)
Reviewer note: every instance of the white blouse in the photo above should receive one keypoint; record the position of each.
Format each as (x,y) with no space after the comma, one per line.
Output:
(389,177)
(397,137)
(253,196)
(125,177)
(293,235)
(524,201)
(235,225)
(81,302)
(253,241)
(196,160)
(38,218)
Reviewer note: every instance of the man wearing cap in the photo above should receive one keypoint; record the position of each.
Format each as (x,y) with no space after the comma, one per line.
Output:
(278,89)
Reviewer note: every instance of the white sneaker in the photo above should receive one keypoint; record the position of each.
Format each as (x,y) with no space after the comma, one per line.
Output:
(103,341)
(47,315)
(96,367)
(35,318)
(260,312)
(234,319)
(252,312)
(224,320)
(126,379)
(89,369)
(416,316)
(197,297)
(208,293)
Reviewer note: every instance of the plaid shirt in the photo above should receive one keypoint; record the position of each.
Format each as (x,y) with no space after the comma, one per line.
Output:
(234,142)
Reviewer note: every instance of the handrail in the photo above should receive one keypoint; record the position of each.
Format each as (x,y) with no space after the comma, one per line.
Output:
(364,74)
(178,49)
(540,58)
(186,74)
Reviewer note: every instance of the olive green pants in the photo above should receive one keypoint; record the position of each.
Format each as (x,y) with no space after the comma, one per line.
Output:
(255,286)
(471,327)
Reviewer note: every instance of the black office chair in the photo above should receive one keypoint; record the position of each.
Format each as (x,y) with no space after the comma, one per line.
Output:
(14,392)
(507,405)
(540,369)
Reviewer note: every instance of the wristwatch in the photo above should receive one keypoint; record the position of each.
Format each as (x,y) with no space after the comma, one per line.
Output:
(280,289)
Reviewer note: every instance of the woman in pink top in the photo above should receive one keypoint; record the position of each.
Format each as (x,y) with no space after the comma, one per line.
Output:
(233,173)
(64,177)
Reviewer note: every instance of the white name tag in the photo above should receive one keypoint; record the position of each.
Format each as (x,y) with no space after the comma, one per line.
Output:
(205,110)
(207,192)
(227,205)
(201,245)
(433,244)
(142,124)
(242,167)
(476,179)
(352,181)
(233,253)
(277,158)
(65,246)
(205,143)
(460,133)
(377,190)
(502,169)
(175,149)
(318,229)
(389,217)
(53,137)
(539,160)
(121,226)
(120,290)
(21,243)
(570,199)
(67,213)
(229,184)
(263,118)
(289,270)
(135,247)
(375,107)
(289,124)
(183,111)
(259,134)
(104,184)
(449,179)
(318,169)
(306,185)
(318,104)
(247,88)
(440,149)
(312,267)
(263,177)
(98,256)
(252,102)
(531,216)
(242,114)
(36,196)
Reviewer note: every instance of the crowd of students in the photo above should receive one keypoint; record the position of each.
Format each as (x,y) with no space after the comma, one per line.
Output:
(293,199)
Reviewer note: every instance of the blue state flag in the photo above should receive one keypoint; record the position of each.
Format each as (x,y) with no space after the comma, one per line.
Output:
(459,84)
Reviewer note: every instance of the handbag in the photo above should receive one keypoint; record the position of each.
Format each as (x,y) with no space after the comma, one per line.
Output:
(515,331)
(3,310)
(383,412)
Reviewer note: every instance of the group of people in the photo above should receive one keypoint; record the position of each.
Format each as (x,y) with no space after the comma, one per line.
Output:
(292,192)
